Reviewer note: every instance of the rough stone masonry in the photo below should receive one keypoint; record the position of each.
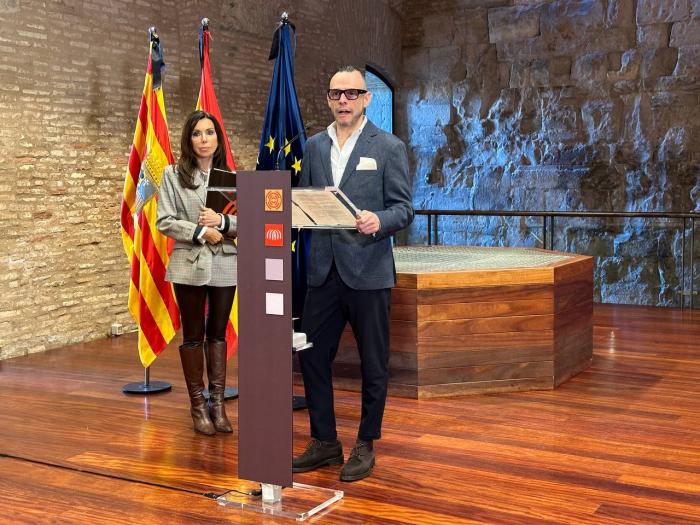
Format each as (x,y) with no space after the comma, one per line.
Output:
(563,105)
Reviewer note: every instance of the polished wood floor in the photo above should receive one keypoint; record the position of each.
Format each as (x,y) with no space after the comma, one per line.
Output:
(619,443)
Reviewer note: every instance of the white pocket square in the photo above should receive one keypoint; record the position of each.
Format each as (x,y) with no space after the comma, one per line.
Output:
(366,163)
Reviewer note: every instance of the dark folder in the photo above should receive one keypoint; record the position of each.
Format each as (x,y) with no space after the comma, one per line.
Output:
(221,191)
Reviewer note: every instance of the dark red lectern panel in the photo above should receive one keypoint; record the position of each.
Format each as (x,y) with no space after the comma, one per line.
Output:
(264,327)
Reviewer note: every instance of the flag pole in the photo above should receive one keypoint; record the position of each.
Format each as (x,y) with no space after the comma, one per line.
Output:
(147,386)
(229,392)
(298,401)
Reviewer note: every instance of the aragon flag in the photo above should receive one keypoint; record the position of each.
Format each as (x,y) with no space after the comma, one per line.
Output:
(282,142)
(151,300)
(207,102)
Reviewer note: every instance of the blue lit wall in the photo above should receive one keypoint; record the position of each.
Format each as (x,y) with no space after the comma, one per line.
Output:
(380,110)
(561,105)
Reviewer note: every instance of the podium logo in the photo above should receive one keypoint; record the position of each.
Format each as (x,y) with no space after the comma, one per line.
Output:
(274,235)
(273,200)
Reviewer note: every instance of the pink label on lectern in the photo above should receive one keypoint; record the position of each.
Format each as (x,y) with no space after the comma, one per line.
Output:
(274,269)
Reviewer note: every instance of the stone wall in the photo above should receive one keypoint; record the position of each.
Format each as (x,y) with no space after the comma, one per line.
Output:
(71,76)
(563,105)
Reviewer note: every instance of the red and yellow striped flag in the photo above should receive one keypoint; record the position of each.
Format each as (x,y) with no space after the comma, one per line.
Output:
(207,102)
(151,300)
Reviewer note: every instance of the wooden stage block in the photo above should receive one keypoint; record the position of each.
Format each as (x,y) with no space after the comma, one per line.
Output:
(487,320)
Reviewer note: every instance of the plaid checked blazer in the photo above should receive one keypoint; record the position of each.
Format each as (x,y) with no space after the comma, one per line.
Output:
(192,262)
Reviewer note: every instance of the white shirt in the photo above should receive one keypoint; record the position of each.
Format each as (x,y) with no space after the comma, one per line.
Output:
(339,158)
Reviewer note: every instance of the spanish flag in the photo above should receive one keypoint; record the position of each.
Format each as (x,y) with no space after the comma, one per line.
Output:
(151,300)
(207,102)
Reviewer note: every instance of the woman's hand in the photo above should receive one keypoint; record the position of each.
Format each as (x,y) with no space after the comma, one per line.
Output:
(212,236)
(209,218)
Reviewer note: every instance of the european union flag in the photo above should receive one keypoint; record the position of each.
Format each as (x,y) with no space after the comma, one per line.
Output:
(282,142)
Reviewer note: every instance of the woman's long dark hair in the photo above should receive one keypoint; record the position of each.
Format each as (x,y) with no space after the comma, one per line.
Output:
(187,163)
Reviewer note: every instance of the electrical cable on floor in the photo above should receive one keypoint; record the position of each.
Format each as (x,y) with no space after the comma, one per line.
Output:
(254,492)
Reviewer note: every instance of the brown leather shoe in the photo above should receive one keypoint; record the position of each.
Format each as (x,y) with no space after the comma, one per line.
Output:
(192,359)
(360,463)
(318,454)
(216,372)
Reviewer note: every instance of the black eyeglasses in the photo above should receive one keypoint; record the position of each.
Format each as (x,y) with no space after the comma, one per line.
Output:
(350,94)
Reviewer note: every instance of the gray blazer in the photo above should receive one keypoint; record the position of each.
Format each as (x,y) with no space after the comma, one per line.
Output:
(190,261)
(364,262)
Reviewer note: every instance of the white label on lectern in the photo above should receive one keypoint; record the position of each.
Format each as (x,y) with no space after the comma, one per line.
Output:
(274,304)
(274,269)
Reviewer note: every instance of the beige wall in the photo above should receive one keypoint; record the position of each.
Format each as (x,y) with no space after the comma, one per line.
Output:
(71,75)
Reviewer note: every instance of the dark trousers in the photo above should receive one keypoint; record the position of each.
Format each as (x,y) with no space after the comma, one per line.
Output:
(326,311)
(192,301)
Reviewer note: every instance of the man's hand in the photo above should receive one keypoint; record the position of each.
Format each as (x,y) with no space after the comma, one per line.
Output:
(208,217)
(367,222)
(212,236)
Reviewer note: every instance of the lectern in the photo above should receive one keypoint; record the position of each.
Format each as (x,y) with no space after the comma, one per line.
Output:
(265,336)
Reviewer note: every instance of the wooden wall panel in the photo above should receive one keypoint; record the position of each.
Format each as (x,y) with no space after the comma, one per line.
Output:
(521,323)
(403,296)
(452,311)
(483,294)
(483,387)
(404,312)
(501,340)
(485,372)
(573,303)
(479,356)
(455,333)
(500,277)
(573,343)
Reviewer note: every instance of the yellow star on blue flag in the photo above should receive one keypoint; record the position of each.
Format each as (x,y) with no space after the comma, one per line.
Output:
(296,166)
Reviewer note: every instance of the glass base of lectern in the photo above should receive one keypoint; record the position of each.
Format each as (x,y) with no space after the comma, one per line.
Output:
(298,502)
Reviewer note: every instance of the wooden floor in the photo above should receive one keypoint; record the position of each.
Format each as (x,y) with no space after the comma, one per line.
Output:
(619,443)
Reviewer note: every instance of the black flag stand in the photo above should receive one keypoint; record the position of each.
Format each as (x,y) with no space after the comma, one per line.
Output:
(147,386)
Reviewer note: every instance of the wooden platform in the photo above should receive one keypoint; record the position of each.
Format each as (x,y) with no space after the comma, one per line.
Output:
(617,444)
(473,320)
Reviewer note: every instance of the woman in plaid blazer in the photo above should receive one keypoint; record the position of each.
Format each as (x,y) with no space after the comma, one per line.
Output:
(202,266)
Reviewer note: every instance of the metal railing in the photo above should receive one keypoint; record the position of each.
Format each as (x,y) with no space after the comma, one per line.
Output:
(548,218)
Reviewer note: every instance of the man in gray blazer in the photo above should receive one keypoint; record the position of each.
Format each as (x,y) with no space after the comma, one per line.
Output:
(351,272)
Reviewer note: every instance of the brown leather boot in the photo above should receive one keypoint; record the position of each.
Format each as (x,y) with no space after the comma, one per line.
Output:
(192,360)
(216,372)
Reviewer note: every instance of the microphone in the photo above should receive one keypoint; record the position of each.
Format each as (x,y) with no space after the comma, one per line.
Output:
(295,137)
